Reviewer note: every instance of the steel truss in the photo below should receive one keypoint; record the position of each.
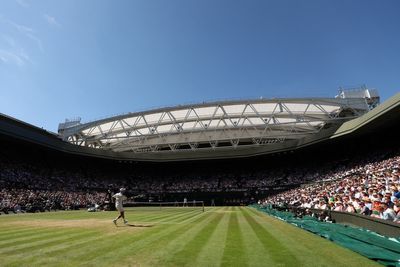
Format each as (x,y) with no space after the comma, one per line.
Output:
(214,125)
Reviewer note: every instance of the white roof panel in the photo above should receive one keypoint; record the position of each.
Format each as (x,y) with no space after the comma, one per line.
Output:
(234,109)
(161,127)
(265,108)
(179,114)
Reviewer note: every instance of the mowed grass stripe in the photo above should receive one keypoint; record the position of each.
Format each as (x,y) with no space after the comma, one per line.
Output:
(13,228)
(183,219)
(20,258)
(175,219)
(39,243)
(254,212)
(256,253)
(107,246)
(174,241)
(158,218)
(29,257)
(213,250)
(151,216)
(234,251)
(76,243)
(17,233)
(33,237)
(97,243)
(189,212)
(193,247)
(279,253)
(66,250)
(69,215)
(154,242)
(311,250)
(178,217)
(58,215)
(35,232)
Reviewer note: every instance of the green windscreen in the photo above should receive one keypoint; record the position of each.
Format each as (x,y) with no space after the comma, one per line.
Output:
(369,244)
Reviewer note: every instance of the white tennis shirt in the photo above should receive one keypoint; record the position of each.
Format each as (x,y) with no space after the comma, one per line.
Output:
(119,198)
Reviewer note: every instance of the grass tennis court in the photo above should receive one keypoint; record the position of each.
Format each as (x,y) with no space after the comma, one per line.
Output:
(221,236)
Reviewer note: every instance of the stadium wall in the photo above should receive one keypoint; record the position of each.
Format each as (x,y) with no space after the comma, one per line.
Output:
(377,225)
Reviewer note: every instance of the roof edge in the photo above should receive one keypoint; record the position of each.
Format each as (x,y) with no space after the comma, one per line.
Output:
(354,124)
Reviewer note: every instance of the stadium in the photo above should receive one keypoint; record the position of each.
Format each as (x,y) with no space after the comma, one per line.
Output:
(256,182)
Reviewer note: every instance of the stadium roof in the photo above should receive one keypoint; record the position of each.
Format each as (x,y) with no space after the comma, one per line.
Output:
(375,116)
(378,119)
(214,126)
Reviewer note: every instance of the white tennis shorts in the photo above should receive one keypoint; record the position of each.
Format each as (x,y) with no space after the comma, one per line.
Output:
(119,208)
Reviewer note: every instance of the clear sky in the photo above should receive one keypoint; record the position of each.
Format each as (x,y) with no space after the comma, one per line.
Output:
(94,58)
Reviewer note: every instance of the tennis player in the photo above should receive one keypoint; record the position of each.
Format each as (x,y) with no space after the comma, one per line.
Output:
(119,198)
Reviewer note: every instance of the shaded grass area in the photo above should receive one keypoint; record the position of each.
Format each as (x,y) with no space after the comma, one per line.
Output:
(220,236)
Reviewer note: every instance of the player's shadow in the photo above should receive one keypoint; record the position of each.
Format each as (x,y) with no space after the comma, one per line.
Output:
(136,225)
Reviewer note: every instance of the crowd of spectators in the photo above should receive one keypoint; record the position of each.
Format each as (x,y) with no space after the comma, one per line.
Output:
(28,200)
(28,187)
(370,186)
(32,188)
(367,184)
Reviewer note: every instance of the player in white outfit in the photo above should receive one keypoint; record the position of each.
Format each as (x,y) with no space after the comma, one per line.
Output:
(119,198)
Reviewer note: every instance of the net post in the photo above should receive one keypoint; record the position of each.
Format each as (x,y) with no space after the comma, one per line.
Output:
(202,205)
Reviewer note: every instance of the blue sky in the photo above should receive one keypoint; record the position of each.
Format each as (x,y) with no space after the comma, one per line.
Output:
(94,58)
